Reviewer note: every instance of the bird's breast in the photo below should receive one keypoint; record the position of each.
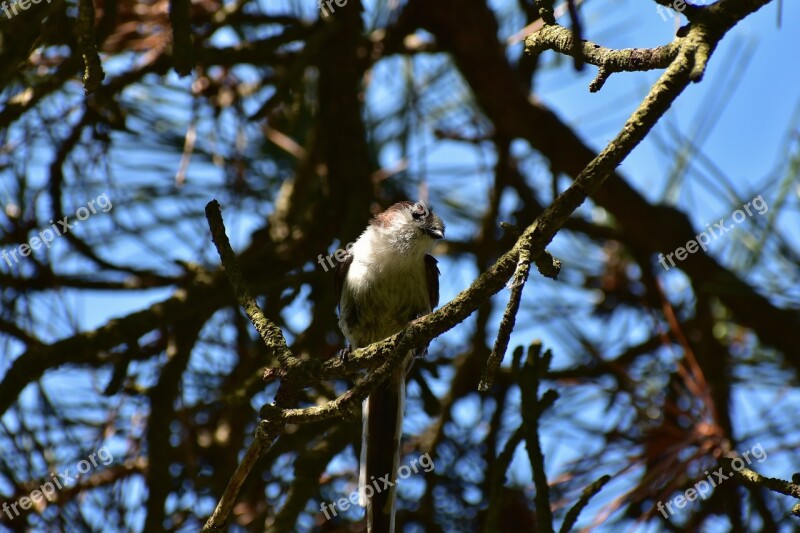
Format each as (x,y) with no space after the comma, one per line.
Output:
(386,295)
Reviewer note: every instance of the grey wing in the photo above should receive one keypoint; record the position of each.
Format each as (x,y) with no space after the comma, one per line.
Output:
(348,317)
(339,276)
(432,278)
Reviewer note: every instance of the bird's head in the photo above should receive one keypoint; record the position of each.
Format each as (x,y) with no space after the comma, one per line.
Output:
(410,227)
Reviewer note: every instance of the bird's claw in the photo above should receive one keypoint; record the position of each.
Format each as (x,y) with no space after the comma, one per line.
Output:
(344,353)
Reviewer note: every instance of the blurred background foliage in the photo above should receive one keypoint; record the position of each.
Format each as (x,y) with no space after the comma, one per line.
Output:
(124,333)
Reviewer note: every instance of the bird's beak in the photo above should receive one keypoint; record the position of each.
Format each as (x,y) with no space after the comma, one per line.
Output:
(435,233)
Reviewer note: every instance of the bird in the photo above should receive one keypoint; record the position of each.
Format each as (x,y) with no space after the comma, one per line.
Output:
(387,279)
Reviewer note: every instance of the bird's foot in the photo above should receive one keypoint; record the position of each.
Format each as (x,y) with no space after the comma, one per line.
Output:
(344,353)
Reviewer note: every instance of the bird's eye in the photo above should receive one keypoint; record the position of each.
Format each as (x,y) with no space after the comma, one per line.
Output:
(417,215)
(419,211)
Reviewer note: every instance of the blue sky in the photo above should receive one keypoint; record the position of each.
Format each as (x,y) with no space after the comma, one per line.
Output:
(737,116)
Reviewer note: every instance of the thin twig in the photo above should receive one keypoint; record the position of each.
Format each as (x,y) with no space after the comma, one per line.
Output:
(754,479)
(270,333)
(271,427)
(588,494)
(266,434)
(182,45)
(498,480)
(93,71)
(560,39)
(507,323)
(577,33)
(532,409)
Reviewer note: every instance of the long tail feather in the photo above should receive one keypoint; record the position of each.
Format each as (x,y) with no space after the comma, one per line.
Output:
(380,452)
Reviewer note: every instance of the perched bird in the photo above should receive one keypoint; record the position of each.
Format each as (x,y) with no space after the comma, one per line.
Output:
(386,280)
